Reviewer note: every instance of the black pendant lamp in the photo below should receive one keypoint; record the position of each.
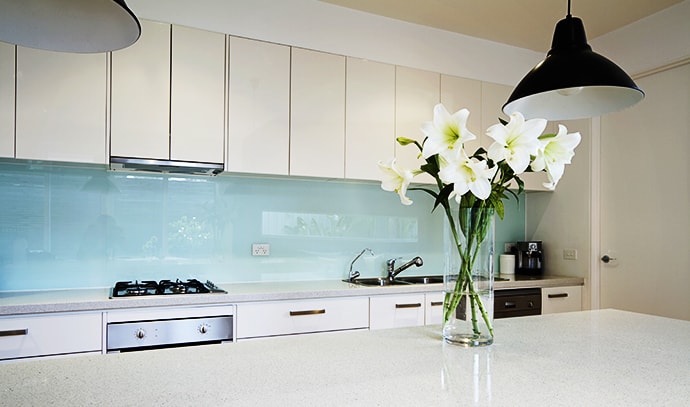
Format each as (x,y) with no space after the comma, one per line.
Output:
(572,82)
(81,26)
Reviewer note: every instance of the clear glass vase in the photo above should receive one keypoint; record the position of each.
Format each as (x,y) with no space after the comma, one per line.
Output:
(468,305)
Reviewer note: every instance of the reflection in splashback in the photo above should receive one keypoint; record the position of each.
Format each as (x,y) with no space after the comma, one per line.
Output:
(78,227)
(320,225)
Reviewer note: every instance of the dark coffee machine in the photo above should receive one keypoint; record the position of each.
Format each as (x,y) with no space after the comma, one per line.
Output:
(529,258)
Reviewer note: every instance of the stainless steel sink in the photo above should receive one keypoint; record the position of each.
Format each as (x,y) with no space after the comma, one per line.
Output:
(378,282)
(383,281)
(422,279)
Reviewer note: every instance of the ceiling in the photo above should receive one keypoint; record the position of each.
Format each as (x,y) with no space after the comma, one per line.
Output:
(522,23)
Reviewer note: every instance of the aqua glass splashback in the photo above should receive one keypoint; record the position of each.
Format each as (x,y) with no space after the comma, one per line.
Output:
(75,227)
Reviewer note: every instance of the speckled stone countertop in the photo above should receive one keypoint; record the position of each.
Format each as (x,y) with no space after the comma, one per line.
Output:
(590,358)
(32,302)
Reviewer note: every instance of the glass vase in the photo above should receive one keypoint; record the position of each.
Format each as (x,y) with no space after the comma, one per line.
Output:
(469,277)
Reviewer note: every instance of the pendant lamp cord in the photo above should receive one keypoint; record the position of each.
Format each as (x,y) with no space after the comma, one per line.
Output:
(568,8)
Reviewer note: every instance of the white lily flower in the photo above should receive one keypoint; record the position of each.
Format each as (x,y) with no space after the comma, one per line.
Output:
(396,179)
(554,153)
(466,174)
(445,133)
(516,142)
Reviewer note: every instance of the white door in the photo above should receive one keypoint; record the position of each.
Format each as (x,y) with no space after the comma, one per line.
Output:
(645,200)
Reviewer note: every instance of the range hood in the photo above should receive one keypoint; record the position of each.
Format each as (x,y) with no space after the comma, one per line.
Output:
(164,166)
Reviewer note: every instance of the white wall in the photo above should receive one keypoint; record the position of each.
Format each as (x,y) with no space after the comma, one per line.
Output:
(652,42)
(325,27)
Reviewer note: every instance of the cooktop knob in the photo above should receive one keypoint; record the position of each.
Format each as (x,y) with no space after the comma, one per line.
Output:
(140,333)
(203,328)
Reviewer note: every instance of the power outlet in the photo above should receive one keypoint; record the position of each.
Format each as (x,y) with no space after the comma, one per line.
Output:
(261,249)
(569,254)
(508,247)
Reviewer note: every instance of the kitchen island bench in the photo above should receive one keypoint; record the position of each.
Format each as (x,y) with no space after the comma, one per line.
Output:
(588,358)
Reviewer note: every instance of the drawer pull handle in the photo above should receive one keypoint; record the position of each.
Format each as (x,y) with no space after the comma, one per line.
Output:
(414,305)
(436,303)
(307,312)
(509,304)
(561,295)
(15,332)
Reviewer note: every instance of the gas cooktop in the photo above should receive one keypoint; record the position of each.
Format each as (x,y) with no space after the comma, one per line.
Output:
(163,287)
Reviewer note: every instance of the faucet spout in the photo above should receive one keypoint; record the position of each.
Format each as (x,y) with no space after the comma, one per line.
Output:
(393,272)
(353,274)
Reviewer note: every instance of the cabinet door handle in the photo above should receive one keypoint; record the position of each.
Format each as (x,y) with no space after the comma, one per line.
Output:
(436,303)
(414,305)
(15,332)
(307,312)
(560,295)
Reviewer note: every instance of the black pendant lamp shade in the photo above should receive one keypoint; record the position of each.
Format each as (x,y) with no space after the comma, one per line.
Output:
(572,82)
(80,26)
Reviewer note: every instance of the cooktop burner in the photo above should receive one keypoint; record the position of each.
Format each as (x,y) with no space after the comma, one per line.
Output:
(164,287)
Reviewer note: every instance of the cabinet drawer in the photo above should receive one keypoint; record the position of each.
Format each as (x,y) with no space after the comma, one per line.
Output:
(561,299)
(394,311)
(434,308)
(302,316)
(50,335)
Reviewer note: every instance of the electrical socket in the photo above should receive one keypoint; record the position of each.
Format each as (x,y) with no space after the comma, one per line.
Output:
(569,254)
(261,249)
(508,247)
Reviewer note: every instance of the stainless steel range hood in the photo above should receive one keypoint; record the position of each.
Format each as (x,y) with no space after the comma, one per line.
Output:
(165,166)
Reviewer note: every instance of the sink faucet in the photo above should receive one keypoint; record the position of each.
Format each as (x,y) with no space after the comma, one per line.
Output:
(352,275)
(392,271)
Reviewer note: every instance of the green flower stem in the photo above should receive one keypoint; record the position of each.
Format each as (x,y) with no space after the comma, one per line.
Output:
(475,230)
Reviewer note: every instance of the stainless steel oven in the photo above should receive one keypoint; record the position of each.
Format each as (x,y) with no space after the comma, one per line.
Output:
(136,329)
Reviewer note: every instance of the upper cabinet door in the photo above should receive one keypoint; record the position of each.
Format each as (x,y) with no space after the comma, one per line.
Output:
(61,106)
(141,95)
(317,127)
(7,52)
(197,110)
(416,94)
(259,121)
(369,118)
(461,93)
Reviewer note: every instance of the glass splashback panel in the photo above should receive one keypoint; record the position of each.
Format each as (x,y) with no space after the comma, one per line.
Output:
(74,227)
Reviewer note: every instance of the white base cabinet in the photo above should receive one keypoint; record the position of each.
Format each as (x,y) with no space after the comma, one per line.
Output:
(561,299)
(395,311)
(270,318)
(433,308)
(47,335)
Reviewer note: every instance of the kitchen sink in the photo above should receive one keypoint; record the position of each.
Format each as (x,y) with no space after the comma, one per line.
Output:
(377,281)
(421,279)
(383,281)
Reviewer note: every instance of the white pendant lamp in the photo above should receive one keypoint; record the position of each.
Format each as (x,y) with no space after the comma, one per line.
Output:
(572,82)
(80,26)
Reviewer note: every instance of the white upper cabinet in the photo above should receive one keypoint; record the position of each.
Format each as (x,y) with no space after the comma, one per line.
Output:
(61,106)
(6,100)
(259,121)
(163,116)
(416,94)
(197,109)
(141,95)
(369,118)
(461,93)
(317,126)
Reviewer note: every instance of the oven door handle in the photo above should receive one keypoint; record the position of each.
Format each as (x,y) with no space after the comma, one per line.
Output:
(308,312)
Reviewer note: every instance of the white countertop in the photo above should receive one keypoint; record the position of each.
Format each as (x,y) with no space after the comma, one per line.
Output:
(32,302)
(589,358)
